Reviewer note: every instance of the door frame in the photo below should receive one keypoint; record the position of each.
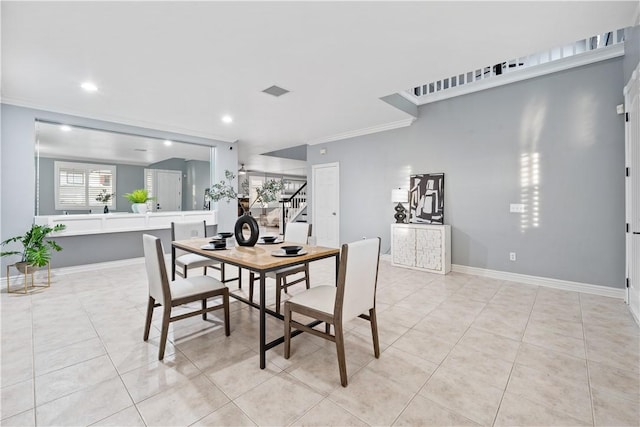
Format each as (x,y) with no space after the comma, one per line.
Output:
(632,165)
(314,195)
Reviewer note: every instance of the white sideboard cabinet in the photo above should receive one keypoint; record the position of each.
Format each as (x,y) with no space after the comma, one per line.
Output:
(421,246)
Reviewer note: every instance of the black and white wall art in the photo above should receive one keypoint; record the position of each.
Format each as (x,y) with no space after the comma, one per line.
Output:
(426,198)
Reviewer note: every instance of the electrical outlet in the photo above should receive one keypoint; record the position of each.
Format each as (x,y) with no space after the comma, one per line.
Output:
(512,256)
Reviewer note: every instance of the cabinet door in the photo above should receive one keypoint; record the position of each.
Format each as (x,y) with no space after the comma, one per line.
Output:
(404,246)
(429,248)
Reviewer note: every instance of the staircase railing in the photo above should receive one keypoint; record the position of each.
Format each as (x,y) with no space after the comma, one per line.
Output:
(293,205)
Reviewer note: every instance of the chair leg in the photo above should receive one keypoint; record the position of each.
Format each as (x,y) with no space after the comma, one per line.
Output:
(225,302)
(327,328)
(279,280)
(222,272)
(147,325)
(374,332)
(184,272)
(204,307)
(251,278)
(205,270)
(287,330)
(165,331)
(306,275)
(342,362)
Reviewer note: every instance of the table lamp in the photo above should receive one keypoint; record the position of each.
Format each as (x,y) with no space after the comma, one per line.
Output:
(399,196)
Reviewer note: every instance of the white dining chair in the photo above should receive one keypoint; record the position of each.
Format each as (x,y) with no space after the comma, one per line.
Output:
(354,296)
(186,260)
(295,232)
(179,292)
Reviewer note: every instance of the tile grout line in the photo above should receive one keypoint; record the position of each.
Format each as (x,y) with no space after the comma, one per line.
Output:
(586,362)
(115,368)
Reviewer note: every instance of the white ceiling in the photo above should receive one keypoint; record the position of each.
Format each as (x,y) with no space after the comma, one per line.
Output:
(180,66)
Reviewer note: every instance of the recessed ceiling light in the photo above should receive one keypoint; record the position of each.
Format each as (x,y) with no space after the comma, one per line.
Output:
(65,128)
(227,119)
(89,87)
(167,142)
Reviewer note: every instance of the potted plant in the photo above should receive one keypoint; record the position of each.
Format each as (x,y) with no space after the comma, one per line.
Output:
(36,251)
(268,192)
(138,199)
(105,198)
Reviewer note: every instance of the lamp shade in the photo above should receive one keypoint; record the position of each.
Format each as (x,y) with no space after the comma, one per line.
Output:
(398,195)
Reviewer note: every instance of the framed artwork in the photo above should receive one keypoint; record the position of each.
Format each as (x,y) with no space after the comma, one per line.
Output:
(426,198)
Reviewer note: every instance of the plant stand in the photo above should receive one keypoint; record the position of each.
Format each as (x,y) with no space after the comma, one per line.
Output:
(27,270)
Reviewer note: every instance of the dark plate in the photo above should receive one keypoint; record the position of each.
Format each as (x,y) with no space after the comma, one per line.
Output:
(281,253)
(276,242)
(210,247)
(269,239)
(225,235)
(291,250)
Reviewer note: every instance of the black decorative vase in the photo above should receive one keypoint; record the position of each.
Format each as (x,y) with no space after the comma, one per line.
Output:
(106,209)
(249,221)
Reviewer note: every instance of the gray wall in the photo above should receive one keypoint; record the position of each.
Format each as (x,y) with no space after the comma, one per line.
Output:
(128,178)
(631,51)
(477,140)
(17,184)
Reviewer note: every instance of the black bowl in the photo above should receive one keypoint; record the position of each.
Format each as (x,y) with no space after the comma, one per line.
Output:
(290,250)
(225,235)
(219,244)
(269,239)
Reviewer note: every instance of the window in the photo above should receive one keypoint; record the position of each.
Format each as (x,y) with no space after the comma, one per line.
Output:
(78,185)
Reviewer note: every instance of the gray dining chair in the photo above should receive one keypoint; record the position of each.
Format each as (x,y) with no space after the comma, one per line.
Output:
(296,232)
(185,260)
(179,292)
(354,296)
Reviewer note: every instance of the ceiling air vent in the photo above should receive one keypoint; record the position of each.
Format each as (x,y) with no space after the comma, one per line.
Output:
(275,91)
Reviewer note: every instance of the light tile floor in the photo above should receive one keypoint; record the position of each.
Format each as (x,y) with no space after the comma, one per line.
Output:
(456,350)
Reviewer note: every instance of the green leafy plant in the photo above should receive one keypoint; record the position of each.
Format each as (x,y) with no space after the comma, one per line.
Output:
(140,195)
(223,190)
(36,250)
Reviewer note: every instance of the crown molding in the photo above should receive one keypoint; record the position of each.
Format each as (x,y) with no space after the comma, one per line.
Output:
(18,102)
(363,131)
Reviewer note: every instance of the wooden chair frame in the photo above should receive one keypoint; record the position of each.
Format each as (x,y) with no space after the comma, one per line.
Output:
(183,273)
(334,319)
(281,279)
(169,303)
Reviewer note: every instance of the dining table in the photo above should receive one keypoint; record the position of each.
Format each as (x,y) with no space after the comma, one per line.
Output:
(261,259)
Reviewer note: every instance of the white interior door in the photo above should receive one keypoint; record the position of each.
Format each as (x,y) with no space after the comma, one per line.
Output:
(326,204)
(632,137)
(169,190)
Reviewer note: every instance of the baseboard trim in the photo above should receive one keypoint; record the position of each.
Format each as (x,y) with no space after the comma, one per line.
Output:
(542,281)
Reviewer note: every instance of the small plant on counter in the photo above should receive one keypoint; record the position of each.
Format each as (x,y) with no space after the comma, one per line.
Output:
(140,195)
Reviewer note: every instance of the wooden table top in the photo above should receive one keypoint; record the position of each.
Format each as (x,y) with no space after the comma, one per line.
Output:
(256,257)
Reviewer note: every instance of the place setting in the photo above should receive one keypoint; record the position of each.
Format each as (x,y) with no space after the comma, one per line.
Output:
(218,242)
(269,240)
(289,251)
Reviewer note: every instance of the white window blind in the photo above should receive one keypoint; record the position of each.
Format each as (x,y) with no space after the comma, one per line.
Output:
(78,185)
